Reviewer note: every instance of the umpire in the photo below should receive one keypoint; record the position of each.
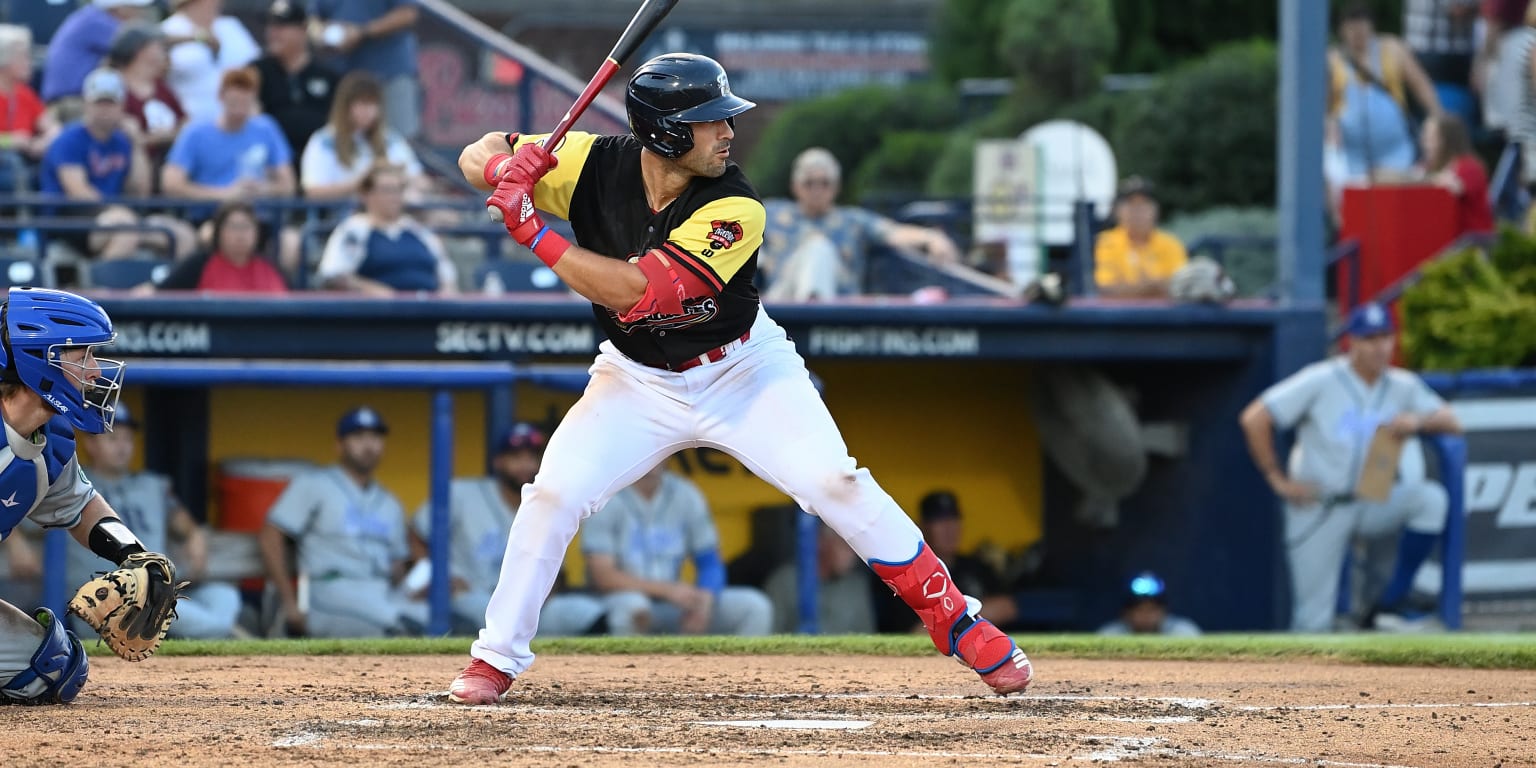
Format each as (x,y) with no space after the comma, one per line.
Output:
(1336,407)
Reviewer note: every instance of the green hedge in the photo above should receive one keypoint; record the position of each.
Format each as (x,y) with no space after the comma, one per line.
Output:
(852,124)
(1474,309)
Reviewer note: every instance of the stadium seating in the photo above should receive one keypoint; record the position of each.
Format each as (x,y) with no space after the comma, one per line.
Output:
(122,274)
(517,276)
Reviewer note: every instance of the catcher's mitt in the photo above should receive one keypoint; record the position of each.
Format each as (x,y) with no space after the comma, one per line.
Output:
(133,606)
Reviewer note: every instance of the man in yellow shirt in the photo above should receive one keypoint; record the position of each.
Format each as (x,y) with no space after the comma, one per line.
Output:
(1135,259)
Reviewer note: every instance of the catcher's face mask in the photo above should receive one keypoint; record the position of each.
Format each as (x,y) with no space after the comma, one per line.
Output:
(99,381)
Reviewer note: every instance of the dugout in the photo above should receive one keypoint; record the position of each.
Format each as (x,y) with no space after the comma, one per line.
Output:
(927,396)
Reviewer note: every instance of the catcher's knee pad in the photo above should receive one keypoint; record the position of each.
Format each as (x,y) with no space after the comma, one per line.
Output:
(58,670)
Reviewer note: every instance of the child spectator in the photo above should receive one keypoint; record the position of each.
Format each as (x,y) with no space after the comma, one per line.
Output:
(1450,162)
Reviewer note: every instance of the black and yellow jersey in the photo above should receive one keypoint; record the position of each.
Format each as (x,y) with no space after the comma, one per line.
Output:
(713,229)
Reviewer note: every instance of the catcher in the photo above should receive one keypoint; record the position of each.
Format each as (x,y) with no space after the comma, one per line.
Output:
(52,383)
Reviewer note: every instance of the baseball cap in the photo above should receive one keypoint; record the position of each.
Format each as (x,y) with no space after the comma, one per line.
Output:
(122,417)
(939,505)
(103,85)
(359,419)
(1136,185)
(287,12)
(1146,586)
(1370,320)
(521,436)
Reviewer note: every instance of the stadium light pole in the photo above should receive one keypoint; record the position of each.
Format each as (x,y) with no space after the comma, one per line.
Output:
(1303,53)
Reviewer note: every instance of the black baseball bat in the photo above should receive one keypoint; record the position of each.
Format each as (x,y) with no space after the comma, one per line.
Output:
(640,27)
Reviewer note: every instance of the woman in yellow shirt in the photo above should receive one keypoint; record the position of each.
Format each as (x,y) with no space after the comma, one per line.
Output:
(1135,259)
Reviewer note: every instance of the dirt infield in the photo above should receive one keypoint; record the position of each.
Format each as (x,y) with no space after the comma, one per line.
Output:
(831,711)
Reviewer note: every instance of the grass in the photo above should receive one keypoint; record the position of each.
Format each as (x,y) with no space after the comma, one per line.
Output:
(1477,651)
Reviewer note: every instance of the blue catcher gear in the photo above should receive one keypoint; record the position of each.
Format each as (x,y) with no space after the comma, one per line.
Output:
(58,671)
(41,327)
(671,91)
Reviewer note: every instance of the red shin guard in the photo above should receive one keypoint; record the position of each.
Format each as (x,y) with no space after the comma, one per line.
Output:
(923,583)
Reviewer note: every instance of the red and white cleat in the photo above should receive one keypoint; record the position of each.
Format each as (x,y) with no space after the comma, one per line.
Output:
(479,684)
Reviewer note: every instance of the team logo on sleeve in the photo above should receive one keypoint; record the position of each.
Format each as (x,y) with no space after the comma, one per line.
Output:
(724,234)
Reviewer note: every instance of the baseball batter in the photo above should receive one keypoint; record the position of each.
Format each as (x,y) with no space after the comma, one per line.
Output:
(667,231)
(52,383)
(1336,407)
(480,517)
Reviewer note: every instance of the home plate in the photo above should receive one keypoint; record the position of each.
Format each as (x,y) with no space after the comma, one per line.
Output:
(844,725)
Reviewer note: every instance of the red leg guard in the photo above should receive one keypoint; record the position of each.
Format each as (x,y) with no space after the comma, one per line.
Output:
(923,583)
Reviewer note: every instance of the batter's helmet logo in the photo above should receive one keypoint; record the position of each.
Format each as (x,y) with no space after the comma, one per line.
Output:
(724,234)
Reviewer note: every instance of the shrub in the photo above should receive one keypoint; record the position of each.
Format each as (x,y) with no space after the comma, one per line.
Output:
(850,124)
(1465,311)
(1206,132)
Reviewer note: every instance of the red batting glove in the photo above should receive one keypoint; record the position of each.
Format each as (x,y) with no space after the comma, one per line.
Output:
(525,166)
(497,164)
(512,204)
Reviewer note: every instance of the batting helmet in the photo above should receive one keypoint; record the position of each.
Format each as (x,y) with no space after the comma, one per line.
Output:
(37,326)
(675,89)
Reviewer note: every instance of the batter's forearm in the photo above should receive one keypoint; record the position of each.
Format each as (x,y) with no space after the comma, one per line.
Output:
(617,285)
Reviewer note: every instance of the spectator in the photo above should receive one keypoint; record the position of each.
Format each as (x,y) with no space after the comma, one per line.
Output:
(295,90)
(240,156)
(138,54)
(635,550)
(1518,65)
(376,36)
(147,504)
(94,161)
(1442,34)
(382,249)
(1450,162)
(350,537)
(481,513)
(815,249)
(205,45)
(1135,259)
(79,46)
(1145,611)
(356,139)
(844,590)
(1337,406)
(235,264)
(1369,76)
(1497,73)
(25,126)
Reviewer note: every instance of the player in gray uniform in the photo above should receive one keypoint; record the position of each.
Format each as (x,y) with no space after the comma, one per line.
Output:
(147,504)
(481,511)
(52,383)
(350,535)
(635,548)
(1336,407)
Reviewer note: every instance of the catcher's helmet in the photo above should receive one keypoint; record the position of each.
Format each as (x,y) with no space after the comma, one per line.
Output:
(675,89)
(37,326)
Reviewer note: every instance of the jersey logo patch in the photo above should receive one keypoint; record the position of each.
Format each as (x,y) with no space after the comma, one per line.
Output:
(695,311)
(724,234)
